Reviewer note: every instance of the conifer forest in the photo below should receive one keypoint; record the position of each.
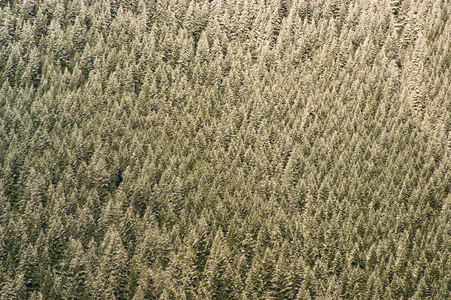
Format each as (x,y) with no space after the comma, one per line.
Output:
(225,149)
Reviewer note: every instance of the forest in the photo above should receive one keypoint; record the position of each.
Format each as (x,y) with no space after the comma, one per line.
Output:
(225,149)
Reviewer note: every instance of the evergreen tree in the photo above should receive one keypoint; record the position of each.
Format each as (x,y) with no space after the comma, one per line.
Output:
(218,279)
(113,269)
(76,272)
(29,267)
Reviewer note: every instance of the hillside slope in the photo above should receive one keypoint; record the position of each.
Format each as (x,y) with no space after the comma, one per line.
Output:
(225,149)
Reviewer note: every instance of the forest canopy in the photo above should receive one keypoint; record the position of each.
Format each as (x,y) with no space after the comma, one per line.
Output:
(225,149)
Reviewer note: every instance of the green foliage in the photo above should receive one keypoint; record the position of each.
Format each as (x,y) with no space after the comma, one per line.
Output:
(225,149)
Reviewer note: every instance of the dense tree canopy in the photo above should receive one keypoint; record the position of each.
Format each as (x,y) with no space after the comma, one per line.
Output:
(245,149)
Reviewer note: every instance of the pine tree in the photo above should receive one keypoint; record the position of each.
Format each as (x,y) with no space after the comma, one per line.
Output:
(7,32)
(79,34)
(14,66)
(183,275)
(14,288)
(113,269)
(57,47)
(3,256)
(32,73)
(56,241)
(218,278)
(28,9)
(29,267)
(99,172)
(76,271)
